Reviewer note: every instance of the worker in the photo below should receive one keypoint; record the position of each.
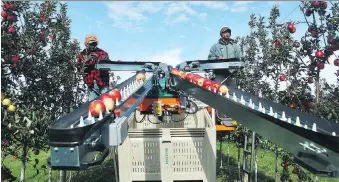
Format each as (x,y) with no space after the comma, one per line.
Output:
(96,80)
(225,48)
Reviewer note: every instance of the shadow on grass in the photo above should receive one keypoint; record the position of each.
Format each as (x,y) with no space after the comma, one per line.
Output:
(231,173)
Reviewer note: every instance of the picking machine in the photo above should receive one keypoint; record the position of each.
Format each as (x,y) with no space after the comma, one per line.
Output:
(163,92)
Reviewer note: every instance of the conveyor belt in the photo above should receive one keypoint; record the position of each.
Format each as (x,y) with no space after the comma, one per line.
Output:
(60,132)
(317,151)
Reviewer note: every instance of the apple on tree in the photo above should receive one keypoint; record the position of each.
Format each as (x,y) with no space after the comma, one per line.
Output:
(336,62)
(321,66)
(319,54)
(282,78)
(291,28)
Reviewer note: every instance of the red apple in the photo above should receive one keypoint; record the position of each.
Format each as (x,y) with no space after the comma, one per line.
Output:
(189,76)
(207,83)
(323,5)
(115,94)
(308,12)
(216,86)
(293,30)
(276,44)
(321,66)
(336,62)
(223,89)
(15,58)
(319,54)
(107,99)
(315,4)
(333,47)
(11,6)
(11,18)
(141,77)
(314,34)
(97,106)
(290,27)
(330,40)
(195,78)
(4,14)
(282,78)
(44,18)
(11,29)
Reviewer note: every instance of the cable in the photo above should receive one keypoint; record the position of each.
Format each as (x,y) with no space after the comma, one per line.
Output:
(195,110)
(152,121)
(195,107)
(289,14)
(143,118)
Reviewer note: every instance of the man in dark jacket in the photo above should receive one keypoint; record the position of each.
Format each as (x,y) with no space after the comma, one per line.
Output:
(225,48)
(96,80)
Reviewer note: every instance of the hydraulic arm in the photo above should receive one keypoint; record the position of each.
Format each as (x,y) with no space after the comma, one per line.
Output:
(311,140)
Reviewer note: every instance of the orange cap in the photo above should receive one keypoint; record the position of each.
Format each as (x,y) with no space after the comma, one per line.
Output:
(91,38)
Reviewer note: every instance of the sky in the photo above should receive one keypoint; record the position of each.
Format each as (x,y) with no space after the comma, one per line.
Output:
(171,32)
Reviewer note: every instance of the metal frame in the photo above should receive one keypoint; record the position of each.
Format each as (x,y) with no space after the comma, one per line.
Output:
(317,150)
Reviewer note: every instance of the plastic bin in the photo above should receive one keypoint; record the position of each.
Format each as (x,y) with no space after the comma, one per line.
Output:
(168,152)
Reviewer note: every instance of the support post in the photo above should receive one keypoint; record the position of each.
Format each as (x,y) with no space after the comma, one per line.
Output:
(276,166)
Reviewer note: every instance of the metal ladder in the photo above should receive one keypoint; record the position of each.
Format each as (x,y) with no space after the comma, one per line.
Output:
(249,170)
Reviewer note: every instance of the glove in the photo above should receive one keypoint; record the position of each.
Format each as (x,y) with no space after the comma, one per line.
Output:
(92,55)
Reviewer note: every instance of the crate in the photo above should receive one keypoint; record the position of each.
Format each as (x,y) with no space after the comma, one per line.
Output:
(169,152)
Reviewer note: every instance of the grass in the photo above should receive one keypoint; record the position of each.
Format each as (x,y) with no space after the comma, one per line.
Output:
(265,161)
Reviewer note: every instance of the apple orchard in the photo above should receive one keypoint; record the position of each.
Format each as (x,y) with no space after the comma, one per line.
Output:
(40,81)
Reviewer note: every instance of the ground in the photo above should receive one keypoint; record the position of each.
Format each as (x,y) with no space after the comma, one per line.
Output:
(265,160)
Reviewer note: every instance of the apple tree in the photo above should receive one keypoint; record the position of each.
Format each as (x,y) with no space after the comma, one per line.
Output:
(282,69)
(320,48)
(39,82)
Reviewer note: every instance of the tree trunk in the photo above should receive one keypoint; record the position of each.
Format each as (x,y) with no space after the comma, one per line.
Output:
(317,91)
(276,165)
(317,88)
(23,161)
